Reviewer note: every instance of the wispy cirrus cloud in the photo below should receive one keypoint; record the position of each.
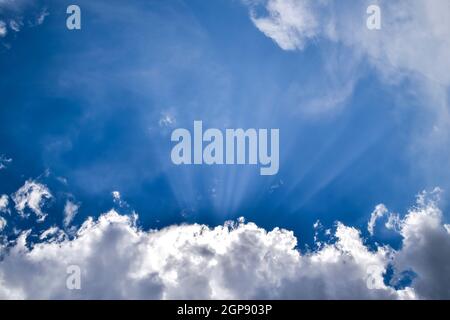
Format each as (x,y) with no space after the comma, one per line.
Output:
(412,34)
(32,196)
(414,39)
(409,55)
(378,213)
(17,14)
(70,211)
(3,223)
(4,201)
(3,29)
(290,23)
(4,161)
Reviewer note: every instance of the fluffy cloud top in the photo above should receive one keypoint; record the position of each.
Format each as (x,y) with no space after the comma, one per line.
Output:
(32,196)
(238,260)
(426,248)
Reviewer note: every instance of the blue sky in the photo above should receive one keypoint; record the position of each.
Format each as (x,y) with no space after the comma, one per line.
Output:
(86,105)
(90,111)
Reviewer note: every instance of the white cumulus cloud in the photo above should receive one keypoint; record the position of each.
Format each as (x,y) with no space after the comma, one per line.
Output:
(426,251)
(238,260)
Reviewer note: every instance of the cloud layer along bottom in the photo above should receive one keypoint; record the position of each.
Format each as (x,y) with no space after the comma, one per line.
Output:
(238,260)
